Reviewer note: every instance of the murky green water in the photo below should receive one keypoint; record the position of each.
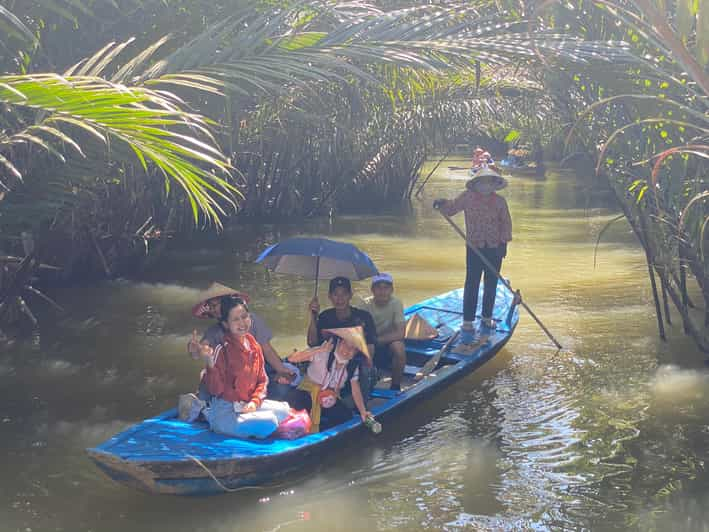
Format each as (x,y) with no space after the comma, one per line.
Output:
(609,434)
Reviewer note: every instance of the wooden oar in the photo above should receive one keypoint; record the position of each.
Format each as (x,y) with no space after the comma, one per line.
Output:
(458,168)
(429,366)
(500,278)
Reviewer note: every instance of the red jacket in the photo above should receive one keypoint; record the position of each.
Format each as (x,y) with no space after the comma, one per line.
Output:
(239,372)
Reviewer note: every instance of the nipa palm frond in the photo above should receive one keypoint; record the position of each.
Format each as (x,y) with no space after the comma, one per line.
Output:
(151,123)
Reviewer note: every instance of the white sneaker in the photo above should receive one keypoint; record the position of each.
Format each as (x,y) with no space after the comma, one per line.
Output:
(467,326)
(189,406)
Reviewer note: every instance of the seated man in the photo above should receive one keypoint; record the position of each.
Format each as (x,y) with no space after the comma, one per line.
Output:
(343,315)
(388,314)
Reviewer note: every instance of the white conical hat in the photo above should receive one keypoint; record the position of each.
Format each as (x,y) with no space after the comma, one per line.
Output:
(498,182)
(418,328)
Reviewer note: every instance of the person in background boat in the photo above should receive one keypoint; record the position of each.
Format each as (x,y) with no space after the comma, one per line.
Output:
(481,159)
(279,374)
(489,228)
(335,363)
(235,377)
(341,315)
(388,314)
(486,160)
(476,162)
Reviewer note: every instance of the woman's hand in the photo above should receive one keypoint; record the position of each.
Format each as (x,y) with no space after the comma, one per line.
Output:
(193,347)
(206,353)
(308,354)
(249,407)
(364,415)
(199,350)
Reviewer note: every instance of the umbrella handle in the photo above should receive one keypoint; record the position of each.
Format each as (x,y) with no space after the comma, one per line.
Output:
(317,279)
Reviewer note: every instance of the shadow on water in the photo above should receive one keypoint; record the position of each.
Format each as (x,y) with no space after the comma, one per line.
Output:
(609,434)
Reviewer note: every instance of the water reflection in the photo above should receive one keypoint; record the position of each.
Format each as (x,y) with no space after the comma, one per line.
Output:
(609,434)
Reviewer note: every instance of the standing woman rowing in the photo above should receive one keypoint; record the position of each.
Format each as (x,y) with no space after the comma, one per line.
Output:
(489,229)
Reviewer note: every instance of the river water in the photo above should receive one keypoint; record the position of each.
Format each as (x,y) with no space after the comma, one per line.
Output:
(611,433)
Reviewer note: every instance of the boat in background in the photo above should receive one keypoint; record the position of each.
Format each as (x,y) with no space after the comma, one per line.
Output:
(166,455)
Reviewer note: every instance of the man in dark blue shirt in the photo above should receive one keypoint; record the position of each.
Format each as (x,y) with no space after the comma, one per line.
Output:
(342,314)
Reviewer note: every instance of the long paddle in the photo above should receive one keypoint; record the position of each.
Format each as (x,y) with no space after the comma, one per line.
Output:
(500,278)
(432,362)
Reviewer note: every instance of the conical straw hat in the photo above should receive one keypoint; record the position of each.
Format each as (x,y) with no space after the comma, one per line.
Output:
(201,309)
(353,336)
(418,328)
(486,173)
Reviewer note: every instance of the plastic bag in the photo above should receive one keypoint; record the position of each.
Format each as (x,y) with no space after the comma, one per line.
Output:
(296,425)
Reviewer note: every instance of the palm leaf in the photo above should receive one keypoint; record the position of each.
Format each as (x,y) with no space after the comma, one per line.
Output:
(146,121)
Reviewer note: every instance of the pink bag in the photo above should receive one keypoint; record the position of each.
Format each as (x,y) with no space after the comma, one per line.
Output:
(296,425)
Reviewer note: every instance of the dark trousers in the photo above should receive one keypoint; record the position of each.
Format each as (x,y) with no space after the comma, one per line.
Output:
(329,417)
(299,400)
(474,270)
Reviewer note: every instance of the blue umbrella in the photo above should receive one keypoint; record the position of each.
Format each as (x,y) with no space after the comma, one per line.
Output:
(318,258)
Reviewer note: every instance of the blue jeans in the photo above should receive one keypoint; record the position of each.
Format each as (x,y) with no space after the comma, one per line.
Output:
(222,418)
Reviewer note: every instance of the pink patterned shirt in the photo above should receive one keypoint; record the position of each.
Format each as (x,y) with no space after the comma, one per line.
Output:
(487,218)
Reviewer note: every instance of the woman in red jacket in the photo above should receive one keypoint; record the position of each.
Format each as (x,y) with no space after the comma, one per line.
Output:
(236,379)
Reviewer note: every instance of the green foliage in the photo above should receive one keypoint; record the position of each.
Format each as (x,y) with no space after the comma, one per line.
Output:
(512,136)
(649,128)
(147,121)
(317,104)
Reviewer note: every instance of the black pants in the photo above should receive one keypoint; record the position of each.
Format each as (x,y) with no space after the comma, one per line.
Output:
(474,270)
(299,400)
(329,417)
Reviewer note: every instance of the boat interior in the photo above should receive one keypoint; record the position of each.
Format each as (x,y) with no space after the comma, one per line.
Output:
(413,370)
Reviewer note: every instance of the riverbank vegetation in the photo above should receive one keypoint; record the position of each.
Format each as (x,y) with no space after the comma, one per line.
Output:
(646,127)
(126,122)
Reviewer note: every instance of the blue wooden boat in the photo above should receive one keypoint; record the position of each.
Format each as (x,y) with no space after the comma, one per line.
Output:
(166,455)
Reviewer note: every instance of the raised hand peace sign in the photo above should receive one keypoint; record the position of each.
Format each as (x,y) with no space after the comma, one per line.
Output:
(198,349)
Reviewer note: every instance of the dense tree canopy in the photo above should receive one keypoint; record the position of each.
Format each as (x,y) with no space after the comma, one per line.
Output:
(124,120)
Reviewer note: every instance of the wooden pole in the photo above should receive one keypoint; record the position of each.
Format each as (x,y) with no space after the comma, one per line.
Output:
(432,362)
(418,191)
(500,278)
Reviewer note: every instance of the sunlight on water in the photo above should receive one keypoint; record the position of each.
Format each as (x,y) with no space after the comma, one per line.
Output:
(673,385)
(610,433)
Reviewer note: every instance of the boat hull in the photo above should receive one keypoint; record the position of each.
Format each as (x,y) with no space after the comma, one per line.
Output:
(165,455)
